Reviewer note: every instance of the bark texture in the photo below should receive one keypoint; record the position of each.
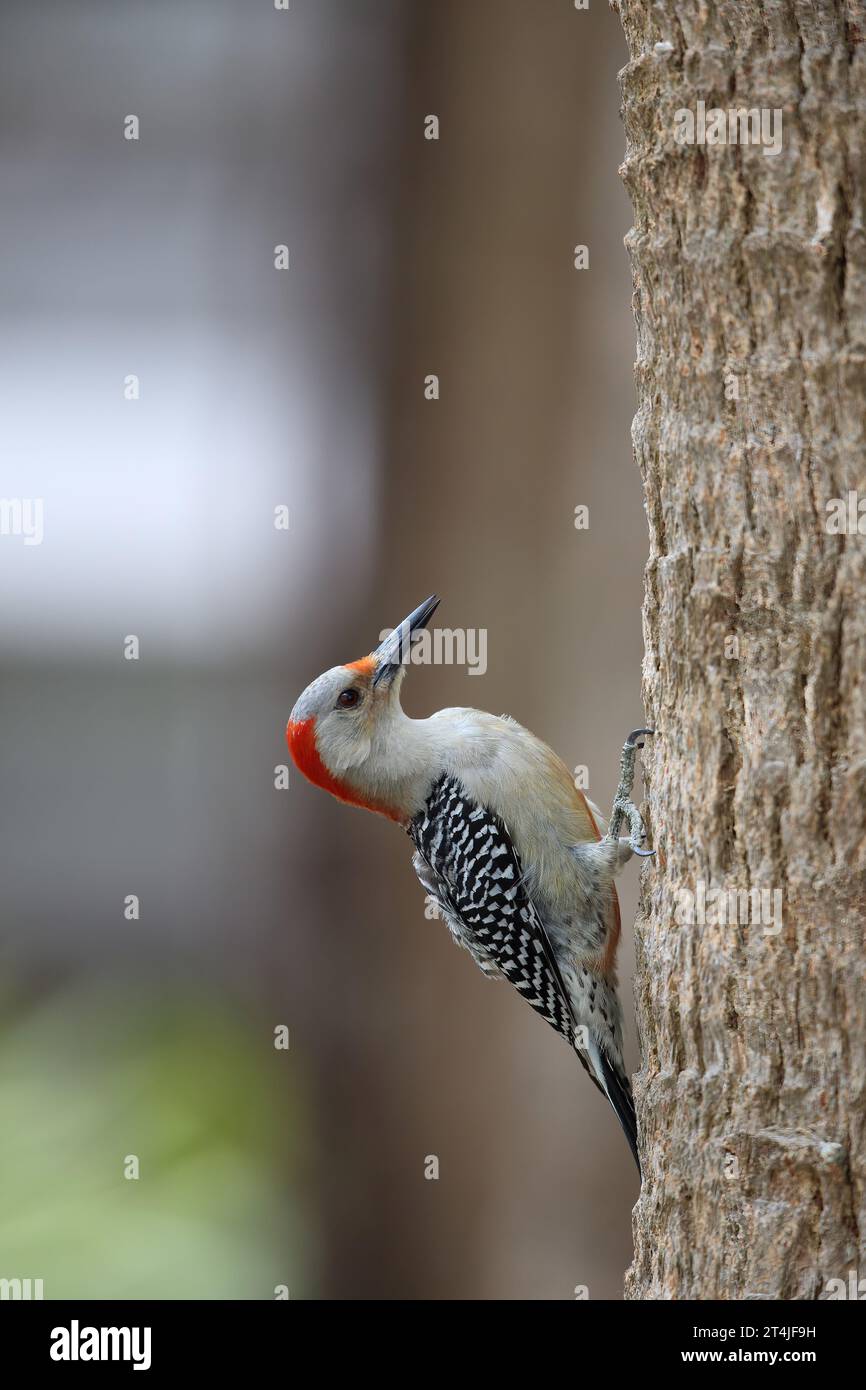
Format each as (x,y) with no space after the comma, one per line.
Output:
(750,282)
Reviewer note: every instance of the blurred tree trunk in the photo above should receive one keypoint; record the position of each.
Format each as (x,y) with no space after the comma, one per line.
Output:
(750,301)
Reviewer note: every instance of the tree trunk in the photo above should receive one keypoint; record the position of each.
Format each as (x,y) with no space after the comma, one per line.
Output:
(750,301)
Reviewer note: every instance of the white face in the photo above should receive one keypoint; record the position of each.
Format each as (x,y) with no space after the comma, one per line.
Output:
(354,711)
(346,706)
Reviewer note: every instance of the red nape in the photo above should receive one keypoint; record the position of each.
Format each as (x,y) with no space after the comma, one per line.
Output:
(365,666)
(301,738)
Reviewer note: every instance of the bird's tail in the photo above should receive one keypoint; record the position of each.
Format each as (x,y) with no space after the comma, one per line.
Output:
(617,1087)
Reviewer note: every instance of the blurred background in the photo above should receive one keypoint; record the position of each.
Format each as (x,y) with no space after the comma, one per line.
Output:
(146,1042)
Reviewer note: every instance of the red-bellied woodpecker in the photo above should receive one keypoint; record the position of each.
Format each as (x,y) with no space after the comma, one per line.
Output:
(519,862)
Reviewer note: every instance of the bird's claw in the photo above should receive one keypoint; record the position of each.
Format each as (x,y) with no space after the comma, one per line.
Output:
(638,831)
(632,740)
(635,819)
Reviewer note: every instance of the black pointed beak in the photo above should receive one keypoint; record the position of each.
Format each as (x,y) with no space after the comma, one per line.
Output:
(394,651)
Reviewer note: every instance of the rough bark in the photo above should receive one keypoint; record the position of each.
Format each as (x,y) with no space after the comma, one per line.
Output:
(751,268)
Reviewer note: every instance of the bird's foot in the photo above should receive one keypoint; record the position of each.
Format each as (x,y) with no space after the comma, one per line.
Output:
(623,806)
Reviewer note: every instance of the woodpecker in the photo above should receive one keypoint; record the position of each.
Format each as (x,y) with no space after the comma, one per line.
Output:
(519,863)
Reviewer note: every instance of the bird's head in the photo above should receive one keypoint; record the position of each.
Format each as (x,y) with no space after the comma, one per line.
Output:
(338,732)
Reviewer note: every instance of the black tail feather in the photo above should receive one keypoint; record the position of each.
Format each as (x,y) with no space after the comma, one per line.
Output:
(619,1094)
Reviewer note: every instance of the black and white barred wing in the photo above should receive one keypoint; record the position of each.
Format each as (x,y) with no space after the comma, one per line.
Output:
(466,859)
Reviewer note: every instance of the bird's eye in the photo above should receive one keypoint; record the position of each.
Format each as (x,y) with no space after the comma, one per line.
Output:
(347,699)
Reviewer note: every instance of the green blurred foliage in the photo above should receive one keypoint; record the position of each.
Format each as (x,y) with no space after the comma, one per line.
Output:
(213,1115)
